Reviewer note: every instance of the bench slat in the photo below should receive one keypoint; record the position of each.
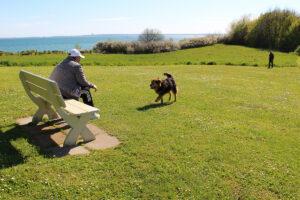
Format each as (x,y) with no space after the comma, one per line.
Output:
(41,82)
(35,79)
(59,101)
(38,90)
(44,87)
(77,108)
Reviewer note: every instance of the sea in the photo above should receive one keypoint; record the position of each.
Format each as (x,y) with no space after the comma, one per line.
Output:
(65,43)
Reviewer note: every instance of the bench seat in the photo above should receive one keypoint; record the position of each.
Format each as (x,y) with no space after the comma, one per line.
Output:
(77,108)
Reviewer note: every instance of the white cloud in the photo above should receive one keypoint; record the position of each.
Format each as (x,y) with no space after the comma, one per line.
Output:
(109,19)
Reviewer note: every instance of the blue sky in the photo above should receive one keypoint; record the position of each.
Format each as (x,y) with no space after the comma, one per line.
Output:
(27,18)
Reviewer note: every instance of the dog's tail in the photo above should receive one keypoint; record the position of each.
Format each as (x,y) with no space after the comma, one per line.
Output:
(172,82)
(168,75)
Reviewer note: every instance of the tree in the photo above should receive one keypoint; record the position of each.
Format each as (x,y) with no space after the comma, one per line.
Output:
(77,46)
(297,51)
(151,35)
(239,31)
(277,29)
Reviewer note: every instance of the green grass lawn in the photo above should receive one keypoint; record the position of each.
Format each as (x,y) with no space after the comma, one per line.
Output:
(233,134)
(212,55)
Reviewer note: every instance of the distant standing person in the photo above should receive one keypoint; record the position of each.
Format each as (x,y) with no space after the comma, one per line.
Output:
(271,58)
(71,80)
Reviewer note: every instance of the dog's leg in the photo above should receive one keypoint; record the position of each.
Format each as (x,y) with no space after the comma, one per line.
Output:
(160,97)
(175,93)
(157,99)
(170,96)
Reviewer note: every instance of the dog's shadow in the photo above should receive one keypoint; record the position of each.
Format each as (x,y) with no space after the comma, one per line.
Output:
(154,105)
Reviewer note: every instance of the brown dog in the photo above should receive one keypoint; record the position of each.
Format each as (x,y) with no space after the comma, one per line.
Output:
(163,87)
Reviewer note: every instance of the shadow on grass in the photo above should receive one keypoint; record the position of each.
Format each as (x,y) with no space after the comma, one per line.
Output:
(10,155)
(154,105)
(40,138)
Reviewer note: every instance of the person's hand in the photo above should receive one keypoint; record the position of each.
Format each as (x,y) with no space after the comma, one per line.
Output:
(95,87)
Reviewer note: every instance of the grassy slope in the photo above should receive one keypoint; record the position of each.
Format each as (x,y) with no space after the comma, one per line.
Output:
(234,132)
(217,54)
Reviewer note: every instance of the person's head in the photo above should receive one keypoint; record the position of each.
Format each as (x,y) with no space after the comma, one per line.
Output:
(76,55)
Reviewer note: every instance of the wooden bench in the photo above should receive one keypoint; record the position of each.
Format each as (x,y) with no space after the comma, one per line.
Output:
(44,93)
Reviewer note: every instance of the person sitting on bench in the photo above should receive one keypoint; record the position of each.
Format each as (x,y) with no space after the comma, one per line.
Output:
(71,80)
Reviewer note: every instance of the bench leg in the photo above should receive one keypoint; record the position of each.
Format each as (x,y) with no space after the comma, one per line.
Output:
(44,108)
(87,135)
(78,126)
(38,116)
(52,114)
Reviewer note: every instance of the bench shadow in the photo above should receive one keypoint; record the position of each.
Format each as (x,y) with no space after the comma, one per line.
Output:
(11,156)
(39,137)
(43,134)
(154,105)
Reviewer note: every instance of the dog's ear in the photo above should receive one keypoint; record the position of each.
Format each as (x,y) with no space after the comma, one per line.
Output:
(159,82)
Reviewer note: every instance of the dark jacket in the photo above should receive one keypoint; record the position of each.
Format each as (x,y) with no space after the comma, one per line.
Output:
(271,56)
(70,78)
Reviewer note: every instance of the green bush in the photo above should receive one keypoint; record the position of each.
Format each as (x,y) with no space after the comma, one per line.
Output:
(201,41)
(135,47)
(211,63)
(277,29)
(5,63)
(28,52)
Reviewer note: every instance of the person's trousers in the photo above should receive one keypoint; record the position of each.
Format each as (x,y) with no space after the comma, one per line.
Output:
(86,96)
(270,64)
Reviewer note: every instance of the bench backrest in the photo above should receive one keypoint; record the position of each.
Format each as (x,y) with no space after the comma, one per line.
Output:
(45,88)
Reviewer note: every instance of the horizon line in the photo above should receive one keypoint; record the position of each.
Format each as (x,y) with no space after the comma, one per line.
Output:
(108,34)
